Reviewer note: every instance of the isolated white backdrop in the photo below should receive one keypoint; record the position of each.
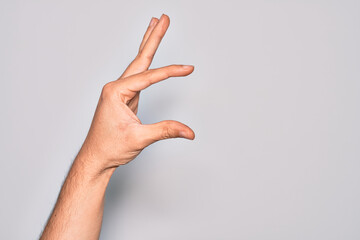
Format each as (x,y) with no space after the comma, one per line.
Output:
(274,101)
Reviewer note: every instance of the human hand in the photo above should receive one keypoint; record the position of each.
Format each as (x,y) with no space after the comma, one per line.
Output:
(116,135)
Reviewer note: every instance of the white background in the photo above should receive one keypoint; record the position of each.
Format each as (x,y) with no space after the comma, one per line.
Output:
(274,102)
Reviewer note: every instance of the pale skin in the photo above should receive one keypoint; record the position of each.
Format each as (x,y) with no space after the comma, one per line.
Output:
(116,137)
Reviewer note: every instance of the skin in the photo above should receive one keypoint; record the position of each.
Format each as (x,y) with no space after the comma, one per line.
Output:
(116,137)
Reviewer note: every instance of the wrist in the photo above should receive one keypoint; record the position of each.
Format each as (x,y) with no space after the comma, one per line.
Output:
(91,167)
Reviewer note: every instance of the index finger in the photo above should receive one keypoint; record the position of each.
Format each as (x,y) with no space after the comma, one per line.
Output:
(129,86)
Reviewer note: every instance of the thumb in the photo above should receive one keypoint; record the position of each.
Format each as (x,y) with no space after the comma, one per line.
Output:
(165,130)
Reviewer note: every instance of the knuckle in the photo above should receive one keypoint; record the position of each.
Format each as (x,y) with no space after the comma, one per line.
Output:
(149,75)
(166,73)
(158,37)
(171,70)
(166,131)
(108,91)
(147,57)
(174,67)
(138,57)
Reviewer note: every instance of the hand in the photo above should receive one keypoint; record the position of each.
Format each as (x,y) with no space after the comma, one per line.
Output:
(116,135)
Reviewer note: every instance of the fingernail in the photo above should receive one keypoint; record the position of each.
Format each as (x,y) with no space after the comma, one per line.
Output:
(152,22)
(162,16)
(187,67)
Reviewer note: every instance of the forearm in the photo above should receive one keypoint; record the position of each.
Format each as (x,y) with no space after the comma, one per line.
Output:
(79,208)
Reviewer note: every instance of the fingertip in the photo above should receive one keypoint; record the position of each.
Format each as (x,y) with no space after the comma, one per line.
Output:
(192,135)
(189,68)
(164,20)
(153,21)
(165,17)
(188,134)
